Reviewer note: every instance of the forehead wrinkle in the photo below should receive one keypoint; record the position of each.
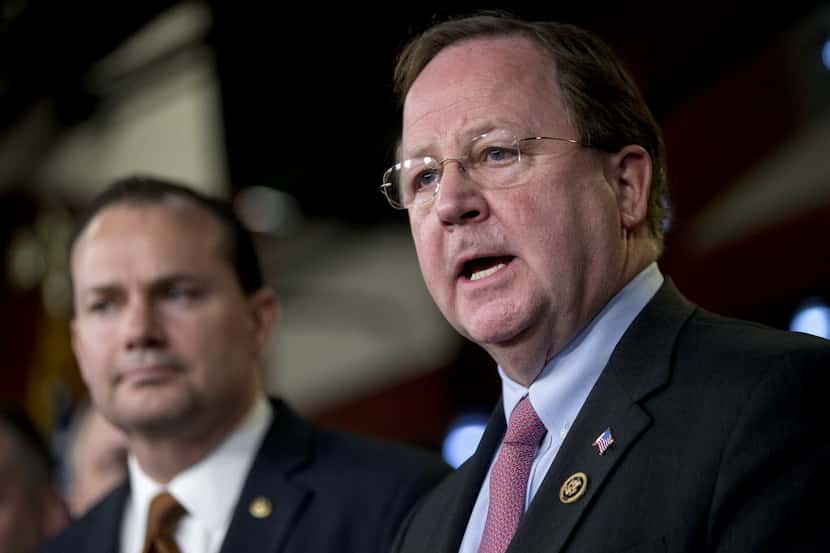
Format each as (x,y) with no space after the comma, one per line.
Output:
(115,223)
(443,135)
(457,140)
(435,117)
(159,280)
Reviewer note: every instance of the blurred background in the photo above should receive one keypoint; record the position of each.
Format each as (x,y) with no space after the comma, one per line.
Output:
(289,112)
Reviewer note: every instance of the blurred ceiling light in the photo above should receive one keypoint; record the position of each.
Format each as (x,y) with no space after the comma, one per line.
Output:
(179,26)
(463,438)
(813,317)
(56,295)
(268,211)
(10,10)
(27,261)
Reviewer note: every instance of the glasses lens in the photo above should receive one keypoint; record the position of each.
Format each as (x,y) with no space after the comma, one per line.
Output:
(412,181)
(494,159)
(390,189)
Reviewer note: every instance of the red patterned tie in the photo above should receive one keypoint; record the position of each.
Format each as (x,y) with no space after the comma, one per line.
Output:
(162,519)
(508,481)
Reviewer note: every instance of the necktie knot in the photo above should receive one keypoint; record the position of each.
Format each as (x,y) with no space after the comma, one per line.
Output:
(165,513)
(525,426)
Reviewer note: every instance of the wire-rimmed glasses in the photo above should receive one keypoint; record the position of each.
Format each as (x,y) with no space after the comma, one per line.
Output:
(495,159)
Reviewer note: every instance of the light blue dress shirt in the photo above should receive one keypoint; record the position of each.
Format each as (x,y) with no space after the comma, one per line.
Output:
(562,387)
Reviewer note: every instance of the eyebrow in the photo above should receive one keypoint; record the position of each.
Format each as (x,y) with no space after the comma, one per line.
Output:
(155,284)
(466,136)
(419,152)
(99,290)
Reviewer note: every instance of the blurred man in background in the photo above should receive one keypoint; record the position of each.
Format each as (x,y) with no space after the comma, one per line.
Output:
(171,320)
(96,459)
(31,509)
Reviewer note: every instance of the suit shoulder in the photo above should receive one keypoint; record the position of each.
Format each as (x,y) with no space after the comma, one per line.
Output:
(367,485)
(709,332)
(363,454)
(102,521)
(325,451)
(735,361)
(72,538)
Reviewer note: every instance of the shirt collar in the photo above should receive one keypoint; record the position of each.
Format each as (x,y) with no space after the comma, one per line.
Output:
(195,488)
(564,383)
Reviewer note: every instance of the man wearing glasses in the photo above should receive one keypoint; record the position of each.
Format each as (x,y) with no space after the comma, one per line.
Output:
(534,179)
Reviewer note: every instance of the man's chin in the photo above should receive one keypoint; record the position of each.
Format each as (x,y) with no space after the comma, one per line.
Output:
(494,333)
(498,321)
(152,420)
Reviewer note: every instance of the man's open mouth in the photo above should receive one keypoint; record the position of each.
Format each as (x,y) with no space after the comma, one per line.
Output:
(482,267)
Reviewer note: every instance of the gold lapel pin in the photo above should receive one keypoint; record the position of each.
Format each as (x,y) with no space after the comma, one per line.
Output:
(260,507)
(574,487)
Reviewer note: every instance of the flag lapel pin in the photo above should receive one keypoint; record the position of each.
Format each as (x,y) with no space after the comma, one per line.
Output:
(604,441)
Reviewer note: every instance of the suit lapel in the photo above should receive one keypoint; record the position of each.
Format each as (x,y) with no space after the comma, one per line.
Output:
(469,478)
(270,501)
(105,522)
(549,522)
(632,373)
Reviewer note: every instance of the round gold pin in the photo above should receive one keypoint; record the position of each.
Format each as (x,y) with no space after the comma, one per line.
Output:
(260,507)
(574,487)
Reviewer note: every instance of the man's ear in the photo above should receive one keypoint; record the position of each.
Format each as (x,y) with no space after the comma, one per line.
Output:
(629,173)
(265,309)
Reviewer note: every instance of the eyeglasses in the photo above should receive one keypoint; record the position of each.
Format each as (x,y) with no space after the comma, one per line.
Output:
(496,159)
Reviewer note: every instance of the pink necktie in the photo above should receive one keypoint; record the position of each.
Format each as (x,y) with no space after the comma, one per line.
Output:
(508,481)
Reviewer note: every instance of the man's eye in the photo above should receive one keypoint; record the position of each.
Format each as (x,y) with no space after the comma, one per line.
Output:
(499,155)
(186,293)
(99,306)
(424,180)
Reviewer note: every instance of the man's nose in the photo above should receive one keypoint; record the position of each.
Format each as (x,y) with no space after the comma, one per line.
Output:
(459,199)
(143,325)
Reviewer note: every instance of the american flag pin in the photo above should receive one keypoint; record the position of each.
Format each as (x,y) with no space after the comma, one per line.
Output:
(604,441)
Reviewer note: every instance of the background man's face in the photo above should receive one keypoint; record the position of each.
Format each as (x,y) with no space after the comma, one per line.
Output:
(165,338)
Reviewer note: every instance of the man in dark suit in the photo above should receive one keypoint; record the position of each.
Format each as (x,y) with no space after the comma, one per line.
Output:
(631,420)
(171,316)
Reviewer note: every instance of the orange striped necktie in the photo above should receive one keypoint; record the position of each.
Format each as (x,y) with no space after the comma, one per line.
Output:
(165,513)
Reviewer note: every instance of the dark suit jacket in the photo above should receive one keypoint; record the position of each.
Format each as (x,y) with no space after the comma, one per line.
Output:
(721,446)
(330,493)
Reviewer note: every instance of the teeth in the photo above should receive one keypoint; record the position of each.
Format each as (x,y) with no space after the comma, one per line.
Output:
(486,272)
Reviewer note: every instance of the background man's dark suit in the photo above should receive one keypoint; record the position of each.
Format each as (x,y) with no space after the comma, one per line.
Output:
(329,494)
(721,445)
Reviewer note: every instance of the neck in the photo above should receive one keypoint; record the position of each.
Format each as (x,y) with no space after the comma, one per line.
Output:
(162,461)
(163,455)
(524,357)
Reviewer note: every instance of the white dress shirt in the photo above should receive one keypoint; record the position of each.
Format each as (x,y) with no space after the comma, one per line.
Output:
(562,387)
(209,490)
